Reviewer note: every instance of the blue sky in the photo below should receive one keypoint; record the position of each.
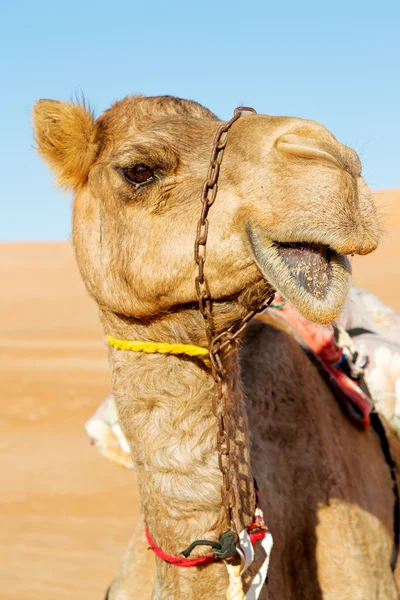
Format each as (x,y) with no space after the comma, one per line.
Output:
(337,63)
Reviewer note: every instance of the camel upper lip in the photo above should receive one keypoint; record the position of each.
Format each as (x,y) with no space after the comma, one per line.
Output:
(270,242)
(303,245)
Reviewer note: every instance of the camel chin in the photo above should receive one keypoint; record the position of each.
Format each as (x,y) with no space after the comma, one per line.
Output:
(313,277)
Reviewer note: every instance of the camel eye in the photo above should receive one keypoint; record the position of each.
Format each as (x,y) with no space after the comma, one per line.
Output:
(138,174)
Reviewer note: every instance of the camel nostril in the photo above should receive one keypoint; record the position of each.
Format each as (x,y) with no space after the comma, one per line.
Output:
(305,147)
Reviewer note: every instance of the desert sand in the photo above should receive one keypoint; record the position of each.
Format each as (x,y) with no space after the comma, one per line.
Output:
(66,512)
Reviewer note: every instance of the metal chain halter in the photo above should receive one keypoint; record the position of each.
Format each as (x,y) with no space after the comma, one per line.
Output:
(218,343)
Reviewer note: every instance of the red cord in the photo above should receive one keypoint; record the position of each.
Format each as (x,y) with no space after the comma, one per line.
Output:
(180,561)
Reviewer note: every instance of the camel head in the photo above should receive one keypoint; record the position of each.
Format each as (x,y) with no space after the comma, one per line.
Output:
(291,205)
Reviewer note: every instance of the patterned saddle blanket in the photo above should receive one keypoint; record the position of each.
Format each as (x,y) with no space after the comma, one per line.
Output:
(364,340)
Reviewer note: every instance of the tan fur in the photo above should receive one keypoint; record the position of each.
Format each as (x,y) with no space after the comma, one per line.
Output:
(67,139)
(325,486)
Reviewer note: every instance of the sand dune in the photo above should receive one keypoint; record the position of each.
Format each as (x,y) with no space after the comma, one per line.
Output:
(379,272)
(67,513)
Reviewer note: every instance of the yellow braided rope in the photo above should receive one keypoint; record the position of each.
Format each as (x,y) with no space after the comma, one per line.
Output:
(157,347)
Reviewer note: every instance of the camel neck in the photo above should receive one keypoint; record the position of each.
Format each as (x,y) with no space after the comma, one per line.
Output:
(165,410)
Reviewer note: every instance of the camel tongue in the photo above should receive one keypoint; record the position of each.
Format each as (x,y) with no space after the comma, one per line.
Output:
(309,265)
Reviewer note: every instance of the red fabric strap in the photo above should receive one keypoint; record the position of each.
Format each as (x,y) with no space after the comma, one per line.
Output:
(180,561)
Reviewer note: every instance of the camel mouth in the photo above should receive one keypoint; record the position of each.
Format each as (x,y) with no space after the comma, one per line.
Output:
(309,264)
(312,276)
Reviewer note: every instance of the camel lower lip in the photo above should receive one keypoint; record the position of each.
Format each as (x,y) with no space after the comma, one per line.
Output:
(309,264)
(312,276)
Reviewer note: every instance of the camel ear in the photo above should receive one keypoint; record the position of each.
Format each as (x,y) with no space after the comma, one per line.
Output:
(66,137)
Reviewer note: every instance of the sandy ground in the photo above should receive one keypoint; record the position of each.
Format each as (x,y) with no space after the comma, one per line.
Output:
(67,513)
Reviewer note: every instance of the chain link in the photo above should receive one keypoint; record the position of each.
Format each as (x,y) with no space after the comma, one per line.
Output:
(218,343)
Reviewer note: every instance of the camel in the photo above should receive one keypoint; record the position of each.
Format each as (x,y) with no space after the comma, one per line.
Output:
(291,206)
